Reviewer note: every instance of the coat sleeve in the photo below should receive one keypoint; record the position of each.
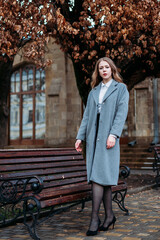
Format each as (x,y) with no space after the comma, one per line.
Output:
(121,112)
(83,127)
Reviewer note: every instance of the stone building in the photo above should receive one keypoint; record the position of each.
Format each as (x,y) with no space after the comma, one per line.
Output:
(45,106)
(144,112)
(46,109)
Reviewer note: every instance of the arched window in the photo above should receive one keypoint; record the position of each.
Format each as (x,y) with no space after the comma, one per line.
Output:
(27,106)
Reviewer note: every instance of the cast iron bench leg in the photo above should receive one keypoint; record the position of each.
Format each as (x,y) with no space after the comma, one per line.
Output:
(31,210)
(118,198)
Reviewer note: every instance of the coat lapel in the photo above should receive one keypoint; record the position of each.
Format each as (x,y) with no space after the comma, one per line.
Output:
(96,93)
(110,90)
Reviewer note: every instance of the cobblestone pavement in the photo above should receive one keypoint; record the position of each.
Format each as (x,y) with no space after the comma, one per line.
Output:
(142,223)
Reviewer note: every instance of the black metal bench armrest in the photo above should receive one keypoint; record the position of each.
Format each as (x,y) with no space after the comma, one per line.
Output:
(17,199)
(124,171)
(13,190)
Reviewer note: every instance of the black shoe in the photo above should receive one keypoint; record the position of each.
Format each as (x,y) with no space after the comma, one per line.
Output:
(93,233)
(102,228)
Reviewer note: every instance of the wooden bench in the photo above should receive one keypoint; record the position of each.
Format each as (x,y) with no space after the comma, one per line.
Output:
(156,164)
(53,180)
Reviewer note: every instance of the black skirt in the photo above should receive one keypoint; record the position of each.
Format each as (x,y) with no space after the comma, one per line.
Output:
(98,117)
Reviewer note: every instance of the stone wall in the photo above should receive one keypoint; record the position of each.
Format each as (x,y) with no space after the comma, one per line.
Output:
(141,114)
(63,103)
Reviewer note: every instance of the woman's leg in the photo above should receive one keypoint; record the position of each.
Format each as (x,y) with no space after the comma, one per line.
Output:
(97,196)
(107,202)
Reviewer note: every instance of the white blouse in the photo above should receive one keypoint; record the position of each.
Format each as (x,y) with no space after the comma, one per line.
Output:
(103,90)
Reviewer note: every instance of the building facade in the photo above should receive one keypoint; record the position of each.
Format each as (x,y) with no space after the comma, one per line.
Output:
(45,106)
(46,109)
(144,111)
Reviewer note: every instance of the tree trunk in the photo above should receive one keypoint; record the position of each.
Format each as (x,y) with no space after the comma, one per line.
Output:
(132,75)
(83,88)
(5,75)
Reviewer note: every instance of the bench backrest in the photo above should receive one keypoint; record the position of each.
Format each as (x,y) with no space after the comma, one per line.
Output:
(52,165)
(63,172)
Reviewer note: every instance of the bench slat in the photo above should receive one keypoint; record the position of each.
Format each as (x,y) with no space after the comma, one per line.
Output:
(41,172)
(39,159)
(65,199)
(64,176)
(119,187)
(64,181)
(64,190)
(37,153)
(20,167)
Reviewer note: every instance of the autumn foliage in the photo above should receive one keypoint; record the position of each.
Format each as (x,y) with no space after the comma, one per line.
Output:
(128,31)
(23,21)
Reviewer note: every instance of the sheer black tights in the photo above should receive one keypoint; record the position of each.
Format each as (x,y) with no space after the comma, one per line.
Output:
(107,202)
(97,196)
(100,193)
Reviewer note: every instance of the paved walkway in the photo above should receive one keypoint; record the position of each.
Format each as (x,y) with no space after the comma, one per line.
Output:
(142,223)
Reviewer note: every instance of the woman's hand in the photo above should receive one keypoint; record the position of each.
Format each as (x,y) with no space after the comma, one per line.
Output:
(78,146)
(111,142)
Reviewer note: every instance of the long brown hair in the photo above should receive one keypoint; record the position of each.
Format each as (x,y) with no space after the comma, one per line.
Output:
(96,78)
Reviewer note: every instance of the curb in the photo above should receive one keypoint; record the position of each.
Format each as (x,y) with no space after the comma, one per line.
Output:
(140,189)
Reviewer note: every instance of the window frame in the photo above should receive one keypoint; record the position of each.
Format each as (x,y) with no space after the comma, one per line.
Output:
(21,93)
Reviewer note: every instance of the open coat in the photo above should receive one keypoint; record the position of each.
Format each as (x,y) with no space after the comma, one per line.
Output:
(103,163)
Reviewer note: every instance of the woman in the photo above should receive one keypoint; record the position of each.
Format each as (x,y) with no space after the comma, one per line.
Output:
(101,127)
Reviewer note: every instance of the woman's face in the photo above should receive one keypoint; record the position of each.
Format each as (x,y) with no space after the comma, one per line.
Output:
(105,71)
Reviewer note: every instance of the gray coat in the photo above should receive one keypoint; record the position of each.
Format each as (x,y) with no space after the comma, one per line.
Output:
(103,164)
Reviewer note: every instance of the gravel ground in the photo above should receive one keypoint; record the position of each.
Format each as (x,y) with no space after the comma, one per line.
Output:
(140,180)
